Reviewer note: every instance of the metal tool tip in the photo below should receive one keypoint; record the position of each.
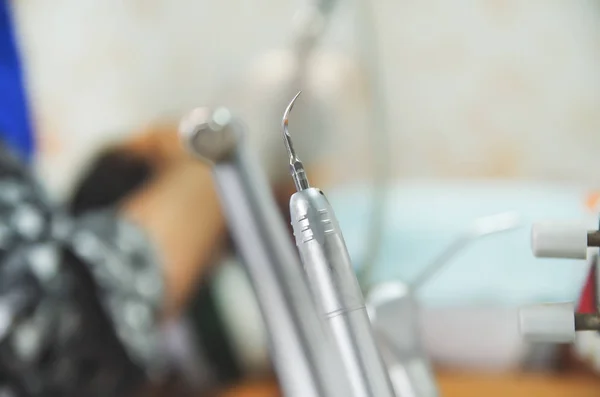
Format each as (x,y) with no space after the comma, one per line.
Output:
(209,134)
(296,166)
(289,108)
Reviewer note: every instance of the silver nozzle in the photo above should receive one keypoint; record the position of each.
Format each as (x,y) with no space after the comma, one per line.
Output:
(211,135)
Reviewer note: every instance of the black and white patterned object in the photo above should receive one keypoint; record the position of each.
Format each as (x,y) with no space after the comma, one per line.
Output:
(79,299)
(127,274)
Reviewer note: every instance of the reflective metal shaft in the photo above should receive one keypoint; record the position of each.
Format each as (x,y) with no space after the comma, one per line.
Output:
(304,356)
(335,286)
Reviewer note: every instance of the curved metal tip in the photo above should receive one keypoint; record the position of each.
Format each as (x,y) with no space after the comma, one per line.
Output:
(287,138)
(296,166)
(287,112)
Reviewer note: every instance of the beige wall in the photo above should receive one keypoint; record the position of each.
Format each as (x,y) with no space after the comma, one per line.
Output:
(485,88)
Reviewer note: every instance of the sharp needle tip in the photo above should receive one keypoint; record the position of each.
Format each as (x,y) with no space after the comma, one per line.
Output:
(289,108)
(285,122)
(296,167)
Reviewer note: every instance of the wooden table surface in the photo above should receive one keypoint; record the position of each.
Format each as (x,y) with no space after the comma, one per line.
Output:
(516,385)
(454,384)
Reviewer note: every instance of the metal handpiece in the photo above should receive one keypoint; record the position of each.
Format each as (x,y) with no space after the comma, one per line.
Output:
(334,283)
(304,356)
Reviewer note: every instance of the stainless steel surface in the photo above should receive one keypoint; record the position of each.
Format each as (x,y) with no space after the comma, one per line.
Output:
(336,289)
(332,279)
(395,316)
(395,311)
(209,134)
(304,356)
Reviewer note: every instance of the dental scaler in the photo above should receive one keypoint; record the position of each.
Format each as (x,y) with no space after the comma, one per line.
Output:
(333,282)
(305,358)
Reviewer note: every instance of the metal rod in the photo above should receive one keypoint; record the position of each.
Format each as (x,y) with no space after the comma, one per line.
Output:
(481,227)
(305,359)
(593,239)
(334,284)
(587,322)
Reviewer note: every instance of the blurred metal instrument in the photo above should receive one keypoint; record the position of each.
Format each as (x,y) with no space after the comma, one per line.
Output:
(395,315)
(333,281)
(305,359)
(369,40)
(394,312)
(558,322)
(480,227)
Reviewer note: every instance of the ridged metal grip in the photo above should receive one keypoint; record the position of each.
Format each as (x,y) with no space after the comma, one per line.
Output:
(337,292)
(305,359)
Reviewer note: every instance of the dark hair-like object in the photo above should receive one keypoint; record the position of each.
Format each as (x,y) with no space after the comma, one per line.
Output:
(112,176)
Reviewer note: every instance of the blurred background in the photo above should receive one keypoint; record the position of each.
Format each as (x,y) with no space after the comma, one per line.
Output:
(418,116)
(484,89)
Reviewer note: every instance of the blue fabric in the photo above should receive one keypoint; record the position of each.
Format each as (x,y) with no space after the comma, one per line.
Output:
(15,127)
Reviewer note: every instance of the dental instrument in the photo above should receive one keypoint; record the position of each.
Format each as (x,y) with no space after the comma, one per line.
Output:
(304,356)
(558,322)
(331,276)
(394,311)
